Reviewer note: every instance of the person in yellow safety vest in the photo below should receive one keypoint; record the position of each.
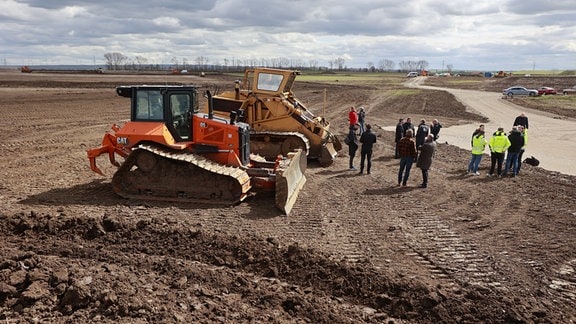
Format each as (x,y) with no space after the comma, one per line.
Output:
(479,143)
(524,132)
(499,143)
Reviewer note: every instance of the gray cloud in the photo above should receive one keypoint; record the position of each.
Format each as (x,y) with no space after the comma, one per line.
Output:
(467,34)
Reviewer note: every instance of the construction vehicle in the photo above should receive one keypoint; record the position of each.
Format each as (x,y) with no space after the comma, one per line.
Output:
(500,74)
(279,123)
(172,152)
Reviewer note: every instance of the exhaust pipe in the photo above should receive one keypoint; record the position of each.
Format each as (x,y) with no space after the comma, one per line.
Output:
(210,105)
(237,89)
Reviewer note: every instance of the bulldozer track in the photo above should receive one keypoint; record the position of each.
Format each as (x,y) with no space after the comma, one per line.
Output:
(205,188)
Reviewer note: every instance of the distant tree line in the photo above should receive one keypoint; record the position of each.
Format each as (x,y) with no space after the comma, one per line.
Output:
(119,61)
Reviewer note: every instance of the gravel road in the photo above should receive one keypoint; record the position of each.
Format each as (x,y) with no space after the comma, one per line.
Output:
(550,138)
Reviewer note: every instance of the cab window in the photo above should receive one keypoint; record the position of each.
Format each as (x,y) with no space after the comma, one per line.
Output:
(269,82)
(149,105)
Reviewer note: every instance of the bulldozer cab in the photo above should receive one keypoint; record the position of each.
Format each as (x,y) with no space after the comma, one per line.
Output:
(270,81)
(172,105)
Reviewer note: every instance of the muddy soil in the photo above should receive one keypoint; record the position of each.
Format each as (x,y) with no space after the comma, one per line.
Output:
(355,249)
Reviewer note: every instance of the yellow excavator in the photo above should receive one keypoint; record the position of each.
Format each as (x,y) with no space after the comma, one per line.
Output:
(279,122)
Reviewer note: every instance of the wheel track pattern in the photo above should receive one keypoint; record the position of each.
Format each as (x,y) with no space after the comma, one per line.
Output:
(445,252)
(565,280)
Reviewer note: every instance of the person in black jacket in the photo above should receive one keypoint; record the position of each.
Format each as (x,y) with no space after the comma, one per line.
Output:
(352,142)
(425,157)
(408,125)
(399,135)
(367,139)
(435,129)
(521,120)
(361,119)
(422,133)
(516,144)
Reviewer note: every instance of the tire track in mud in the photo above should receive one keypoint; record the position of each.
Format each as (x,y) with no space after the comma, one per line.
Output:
(438,247)
(435,244)
(423,237)
(564,283)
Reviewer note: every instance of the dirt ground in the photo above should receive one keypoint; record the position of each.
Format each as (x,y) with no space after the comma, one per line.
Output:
(355,249)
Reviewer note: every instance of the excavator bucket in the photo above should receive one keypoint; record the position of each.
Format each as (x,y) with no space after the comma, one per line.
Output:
(289,180)
(336,142)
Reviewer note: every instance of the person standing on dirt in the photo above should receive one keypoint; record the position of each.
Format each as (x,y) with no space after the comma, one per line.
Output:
(435,129)
(477,130)
(352,142)
(479,143)
(399,135)
(498,144)
(521,120)
(408,153)
(424,162)
(524,133)
(516,143)
(421,134)
(361,119)
(367,139)
(408,125)
(352,117)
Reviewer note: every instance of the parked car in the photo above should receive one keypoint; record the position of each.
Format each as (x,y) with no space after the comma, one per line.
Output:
(546,91)
(569,90)
(412,74)
(519,91)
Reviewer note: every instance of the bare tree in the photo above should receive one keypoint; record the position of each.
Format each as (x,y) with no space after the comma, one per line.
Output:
(115,60)
(422,65)
(386,65)
(140,60)
(174,61)
(450,67)
(202,61)
(413,65)
(370,66)
(313,64)
(339,62)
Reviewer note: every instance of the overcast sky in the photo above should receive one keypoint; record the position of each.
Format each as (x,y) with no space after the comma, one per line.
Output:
(467,34)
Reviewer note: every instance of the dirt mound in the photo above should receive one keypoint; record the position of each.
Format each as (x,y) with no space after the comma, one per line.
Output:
(90,269)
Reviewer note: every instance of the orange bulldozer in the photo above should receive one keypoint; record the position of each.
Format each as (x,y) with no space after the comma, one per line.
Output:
(172,152)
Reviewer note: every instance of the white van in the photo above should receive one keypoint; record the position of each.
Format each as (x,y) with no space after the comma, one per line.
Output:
(412,74)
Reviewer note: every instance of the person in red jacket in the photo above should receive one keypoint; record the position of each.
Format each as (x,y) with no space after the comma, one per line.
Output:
(353,117)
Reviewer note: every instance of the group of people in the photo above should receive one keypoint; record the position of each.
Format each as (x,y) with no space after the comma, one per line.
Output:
(418,144)
(423,130)
(415,144)
(412,145)
(506,149)
(367,139)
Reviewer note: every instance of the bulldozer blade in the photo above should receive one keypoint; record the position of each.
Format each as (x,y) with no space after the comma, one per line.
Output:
(289,180)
